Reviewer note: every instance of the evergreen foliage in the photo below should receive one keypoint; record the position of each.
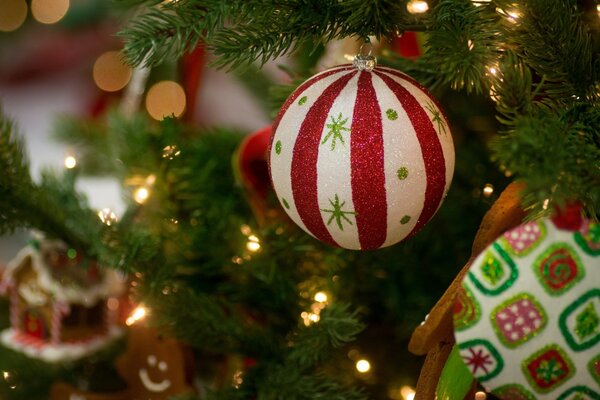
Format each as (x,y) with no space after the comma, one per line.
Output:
(186,245)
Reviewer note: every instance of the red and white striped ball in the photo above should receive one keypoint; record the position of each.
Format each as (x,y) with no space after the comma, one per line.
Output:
(361,159)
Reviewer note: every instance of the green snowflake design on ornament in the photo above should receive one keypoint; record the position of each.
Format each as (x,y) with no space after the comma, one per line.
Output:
(587,322)
(336,127)
(392,115)
(278,147)
(285,203)
(338,213)
(402,173)
(437,117)
(405,220)
(302,100)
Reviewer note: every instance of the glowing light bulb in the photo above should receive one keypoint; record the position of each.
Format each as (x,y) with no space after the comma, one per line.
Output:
(363,366)
(141,195)
(407,393)
(480,396)
(253,238)
(470,44)
(246,230)
(107,216)
(545,204)
(70,162)
(137,314)
(321,297)
(417,6)
(253,246)
(488,189)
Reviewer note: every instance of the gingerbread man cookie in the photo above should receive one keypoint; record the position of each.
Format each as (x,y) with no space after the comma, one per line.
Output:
(153,365)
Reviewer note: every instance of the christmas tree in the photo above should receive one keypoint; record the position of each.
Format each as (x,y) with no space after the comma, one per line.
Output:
(241,302)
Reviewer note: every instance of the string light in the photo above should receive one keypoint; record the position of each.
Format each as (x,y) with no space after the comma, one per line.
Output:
(14,13)
(470,44)
(479,3)
(238,379)
(9,379)
(49,11)
(363,366)
(511,15)
(107,216)
(171,152)
(417,6)
(493,94)
(480,396)
(488,190)
(141,195)
(164,99)
(110,73)
(321,297)
(253,243)
(137,314)
(407,392)
(70,162)
(246,230)
(545,204)
(310,318)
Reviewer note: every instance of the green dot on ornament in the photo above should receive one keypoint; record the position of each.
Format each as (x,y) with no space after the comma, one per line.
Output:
(402,173)
(285,203)
(302,100)
(391,114)
(405,220)
(278,147)
(71,253)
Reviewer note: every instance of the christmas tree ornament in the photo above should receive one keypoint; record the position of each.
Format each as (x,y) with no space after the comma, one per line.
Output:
(361,156)
(58,303)
(154,366)
(527,320)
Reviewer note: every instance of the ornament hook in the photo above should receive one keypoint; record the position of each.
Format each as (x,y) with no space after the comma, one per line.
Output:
(364,61)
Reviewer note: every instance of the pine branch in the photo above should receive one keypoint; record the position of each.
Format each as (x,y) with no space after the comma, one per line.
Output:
(551,38)
(240,32)
(557,155)
(464,41)
(53,206)
(313,345)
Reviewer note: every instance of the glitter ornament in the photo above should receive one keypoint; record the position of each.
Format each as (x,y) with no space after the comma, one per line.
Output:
(361,156)
(527,319)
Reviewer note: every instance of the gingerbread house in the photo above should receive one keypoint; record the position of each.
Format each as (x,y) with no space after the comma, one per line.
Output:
(59,302)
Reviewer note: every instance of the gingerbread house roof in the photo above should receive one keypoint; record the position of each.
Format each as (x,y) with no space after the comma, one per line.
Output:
(66,280)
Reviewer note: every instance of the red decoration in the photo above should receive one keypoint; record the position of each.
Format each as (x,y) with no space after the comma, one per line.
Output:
(407,45)
(568,217)
(192,65)
(361,159)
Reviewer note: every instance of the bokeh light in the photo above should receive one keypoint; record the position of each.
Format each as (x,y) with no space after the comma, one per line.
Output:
(49,11)
(110,73)
(14,13)
(164,99)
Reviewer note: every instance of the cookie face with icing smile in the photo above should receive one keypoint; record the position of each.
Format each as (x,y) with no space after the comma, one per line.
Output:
(153,366)
(148,383)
